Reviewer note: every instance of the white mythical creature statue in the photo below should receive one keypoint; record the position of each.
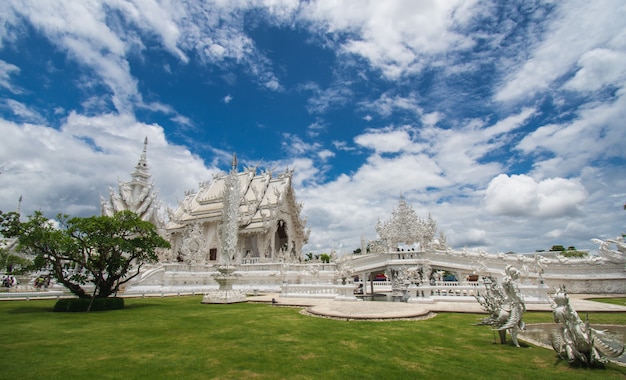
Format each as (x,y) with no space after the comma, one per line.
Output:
(614,256)
(576,341)
(504,304)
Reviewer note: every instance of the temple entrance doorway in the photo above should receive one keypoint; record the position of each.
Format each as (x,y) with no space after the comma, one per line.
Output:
(281,237)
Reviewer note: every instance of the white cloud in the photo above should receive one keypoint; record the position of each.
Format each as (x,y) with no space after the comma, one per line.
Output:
(431,119)
(521,195)
(574,31)
(161,18)
(385,140)
(314,129)
(6,70)
(324,99)
(342,145)
(325,154)
(595,133)
(296,146)
(24,112)
(227,99)
(387,103)
(420,31)
(599,68)
(459,152)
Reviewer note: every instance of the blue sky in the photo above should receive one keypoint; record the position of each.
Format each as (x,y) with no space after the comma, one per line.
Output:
(505,121)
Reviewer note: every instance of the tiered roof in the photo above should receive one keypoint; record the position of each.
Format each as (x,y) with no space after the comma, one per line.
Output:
(262,195)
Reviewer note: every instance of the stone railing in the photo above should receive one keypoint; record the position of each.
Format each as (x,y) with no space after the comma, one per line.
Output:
(444,290)
(468,291)
(330,291)
(51,294)
(194,268)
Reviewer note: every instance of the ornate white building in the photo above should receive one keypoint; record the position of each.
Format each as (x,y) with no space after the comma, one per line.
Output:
(270,226)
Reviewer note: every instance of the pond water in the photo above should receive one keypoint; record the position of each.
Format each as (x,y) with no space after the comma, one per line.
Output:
(381,297)
(541,332)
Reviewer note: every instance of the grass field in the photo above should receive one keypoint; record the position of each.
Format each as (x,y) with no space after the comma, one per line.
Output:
(164,338)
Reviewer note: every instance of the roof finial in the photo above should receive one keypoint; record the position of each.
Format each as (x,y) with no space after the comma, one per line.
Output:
(234,163)
(145,149)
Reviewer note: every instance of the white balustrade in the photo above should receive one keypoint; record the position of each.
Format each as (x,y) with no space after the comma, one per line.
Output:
(332,291)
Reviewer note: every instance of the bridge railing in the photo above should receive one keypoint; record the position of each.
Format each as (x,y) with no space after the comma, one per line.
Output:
(445,289)
(331,291)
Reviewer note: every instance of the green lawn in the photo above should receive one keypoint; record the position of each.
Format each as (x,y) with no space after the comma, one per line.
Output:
(162,338)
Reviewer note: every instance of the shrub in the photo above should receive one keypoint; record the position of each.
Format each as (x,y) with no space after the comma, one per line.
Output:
(81,304)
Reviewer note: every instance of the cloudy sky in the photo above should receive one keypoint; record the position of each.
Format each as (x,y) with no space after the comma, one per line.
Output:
(504,120)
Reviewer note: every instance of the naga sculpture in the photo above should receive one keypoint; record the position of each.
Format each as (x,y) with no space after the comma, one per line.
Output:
(576,341)
(614,256)
(504,304)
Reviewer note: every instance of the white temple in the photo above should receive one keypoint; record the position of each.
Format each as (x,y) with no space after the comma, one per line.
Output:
(270,234)
(270,226)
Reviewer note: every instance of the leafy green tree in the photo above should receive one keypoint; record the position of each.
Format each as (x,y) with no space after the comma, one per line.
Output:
(325,258)
(104,251)
(557,248)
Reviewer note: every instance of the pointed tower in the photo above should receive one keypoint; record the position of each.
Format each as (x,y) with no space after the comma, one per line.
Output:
(141,174)
(137,195)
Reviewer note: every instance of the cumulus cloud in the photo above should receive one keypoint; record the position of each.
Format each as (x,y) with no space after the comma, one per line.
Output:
(521,195)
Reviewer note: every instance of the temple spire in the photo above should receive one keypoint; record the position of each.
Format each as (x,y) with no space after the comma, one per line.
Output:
(141,169)
(234,165)
(137,195)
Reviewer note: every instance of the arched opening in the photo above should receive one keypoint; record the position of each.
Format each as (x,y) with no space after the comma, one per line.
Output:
(281,238)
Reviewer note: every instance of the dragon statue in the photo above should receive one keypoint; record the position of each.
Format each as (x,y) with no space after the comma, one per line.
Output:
(576,341)
(504,304)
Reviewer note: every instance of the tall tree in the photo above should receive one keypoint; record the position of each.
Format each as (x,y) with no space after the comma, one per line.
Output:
(106,251)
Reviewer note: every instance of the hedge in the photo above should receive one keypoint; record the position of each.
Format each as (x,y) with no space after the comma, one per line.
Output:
(81,304)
